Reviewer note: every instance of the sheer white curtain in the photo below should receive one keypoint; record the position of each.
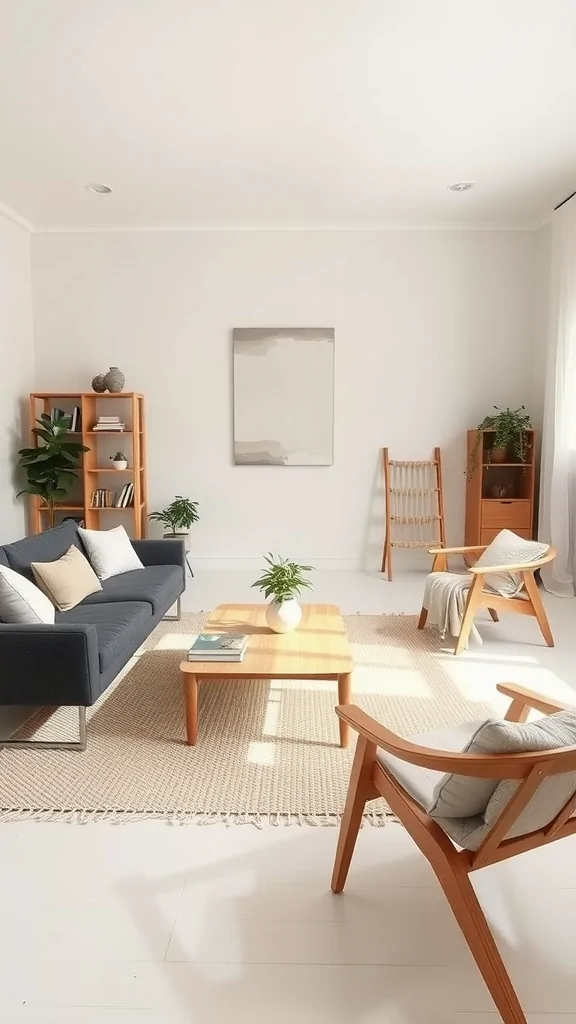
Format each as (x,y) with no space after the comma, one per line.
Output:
(558,477)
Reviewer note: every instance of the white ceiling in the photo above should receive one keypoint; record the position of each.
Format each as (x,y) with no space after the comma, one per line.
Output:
(263,113)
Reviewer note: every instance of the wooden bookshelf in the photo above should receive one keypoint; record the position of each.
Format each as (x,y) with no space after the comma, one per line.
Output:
(102,444)
(499,495)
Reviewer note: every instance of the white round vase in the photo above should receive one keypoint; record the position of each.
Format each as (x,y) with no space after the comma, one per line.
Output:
(283,616)
(120,464)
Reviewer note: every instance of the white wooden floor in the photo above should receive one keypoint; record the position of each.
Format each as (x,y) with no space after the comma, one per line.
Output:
(157,923)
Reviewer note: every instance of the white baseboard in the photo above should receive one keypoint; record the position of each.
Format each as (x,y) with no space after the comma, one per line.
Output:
(201,562)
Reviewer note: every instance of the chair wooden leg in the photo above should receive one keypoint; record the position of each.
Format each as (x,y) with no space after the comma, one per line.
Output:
(539,610)
(359,790)
(470,917)
(472,605)
(493,615)
(423,617)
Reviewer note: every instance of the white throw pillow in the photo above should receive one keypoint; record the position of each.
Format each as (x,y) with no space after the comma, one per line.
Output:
(110,552)
(509,549)
(22,603)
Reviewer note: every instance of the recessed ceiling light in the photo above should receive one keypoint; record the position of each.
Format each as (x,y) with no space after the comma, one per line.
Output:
(461,186)
(100,189)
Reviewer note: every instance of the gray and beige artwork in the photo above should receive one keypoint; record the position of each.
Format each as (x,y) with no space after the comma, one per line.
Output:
(283,396)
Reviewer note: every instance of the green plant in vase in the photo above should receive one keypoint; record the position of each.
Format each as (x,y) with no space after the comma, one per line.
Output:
(177,517)
(283,581)
(52,466)
(510,437)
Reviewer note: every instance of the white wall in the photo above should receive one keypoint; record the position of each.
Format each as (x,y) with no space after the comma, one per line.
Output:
(16,368)
(432,329)
(16,381)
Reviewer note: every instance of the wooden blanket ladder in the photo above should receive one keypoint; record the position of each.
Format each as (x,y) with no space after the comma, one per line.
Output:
(414,505)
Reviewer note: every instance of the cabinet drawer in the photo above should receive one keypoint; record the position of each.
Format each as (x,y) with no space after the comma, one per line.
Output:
(507,513)
(487,536)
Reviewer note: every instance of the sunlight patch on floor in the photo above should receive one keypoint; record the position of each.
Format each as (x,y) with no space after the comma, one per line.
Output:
(176,642)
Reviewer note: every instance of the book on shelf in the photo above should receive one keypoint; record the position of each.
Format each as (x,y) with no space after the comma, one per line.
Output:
(75,420)
(218,647)
(102,498)
(125,497)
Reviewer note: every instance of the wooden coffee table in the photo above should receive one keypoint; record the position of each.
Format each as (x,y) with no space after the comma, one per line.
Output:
(318,649)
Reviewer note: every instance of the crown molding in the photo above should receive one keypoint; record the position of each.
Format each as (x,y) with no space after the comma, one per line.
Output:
(112,229)
(9,214)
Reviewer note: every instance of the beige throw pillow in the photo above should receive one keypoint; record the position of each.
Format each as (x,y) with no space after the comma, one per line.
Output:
(68,580)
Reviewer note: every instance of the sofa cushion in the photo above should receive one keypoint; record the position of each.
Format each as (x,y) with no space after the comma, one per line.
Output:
(3,558)
(42,547)
(117,625)
(160,585)
(68,580)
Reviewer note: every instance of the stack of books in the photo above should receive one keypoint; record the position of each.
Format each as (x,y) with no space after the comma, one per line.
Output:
(109,423)
(103,498)
(218,647)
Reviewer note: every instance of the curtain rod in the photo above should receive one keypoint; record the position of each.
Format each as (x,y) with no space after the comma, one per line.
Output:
(567,200)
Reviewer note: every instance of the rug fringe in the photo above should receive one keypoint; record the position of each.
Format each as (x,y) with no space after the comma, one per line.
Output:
(258,819)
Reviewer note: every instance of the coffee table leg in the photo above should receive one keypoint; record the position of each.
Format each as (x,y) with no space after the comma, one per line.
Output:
(344,697)
(190,686)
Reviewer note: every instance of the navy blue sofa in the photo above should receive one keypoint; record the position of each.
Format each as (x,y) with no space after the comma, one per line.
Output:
(73,661)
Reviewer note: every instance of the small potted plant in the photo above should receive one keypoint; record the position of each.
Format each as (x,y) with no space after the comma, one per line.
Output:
(509,441)
(119,461)
(283,581)
(177,517)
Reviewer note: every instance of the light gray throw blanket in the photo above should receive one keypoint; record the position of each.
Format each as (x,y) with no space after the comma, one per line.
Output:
(445,596)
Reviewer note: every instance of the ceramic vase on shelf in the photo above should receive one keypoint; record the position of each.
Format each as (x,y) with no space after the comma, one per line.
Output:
(114,380)
(99,384)
(498,455)
(283,616)
(119,461)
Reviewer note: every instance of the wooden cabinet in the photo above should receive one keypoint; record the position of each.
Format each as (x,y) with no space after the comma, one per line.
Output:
(499,495)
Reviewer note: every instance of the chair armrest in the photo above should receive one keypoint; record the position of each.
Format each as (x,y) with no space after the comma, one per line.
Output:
(516,567)
(524,698)
(457,551)
(49,664)
(160,552)
(486,766)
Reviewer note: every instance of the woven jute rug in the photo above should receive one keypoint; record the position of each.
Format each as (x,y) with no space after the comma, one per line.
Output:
(266,751)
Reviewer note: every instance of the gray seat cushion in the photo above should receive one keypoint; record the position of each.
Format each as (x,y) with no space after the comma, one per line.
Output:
(159,585)
(42,547)
(118,625)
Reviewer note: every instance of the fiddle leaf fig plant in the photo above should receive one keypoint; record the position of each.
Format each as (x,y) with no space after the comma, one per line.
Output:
(509,426)
(52,466)
(283,579)
(178,516)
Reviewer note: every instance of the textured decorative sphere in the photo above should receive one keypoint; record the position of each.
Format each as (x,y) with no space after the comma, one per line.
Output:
(114,380)
(99,383)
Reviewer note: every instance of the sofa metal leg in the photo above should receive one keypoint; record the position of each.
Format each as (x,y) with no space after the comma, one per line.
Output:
(79,744)
(173,618)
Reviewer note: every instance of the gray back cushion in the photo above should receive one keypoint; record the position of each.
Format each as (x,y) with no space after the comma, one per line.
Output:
(3,558)
(43,547)
(455,802)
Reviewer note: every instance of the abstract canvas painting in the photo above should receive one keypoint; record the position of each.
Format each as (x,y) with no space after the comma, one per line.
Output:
(284,396)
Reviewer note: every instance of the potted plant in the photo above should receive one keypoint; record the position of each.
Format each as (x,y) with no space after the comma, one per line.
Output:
(283,581)
(119,461)
(51,467)
(177,517)
(510,439)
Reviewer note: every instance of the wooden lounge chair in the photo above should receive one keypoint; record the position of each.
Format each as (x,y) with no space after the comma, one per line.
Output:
(385,765)
(528,602)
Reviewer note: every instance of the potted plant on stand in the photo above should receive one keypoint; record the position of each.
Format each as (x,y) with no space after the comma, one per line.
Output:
(51,467)
(283,581)
(510,440)
(177,517)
